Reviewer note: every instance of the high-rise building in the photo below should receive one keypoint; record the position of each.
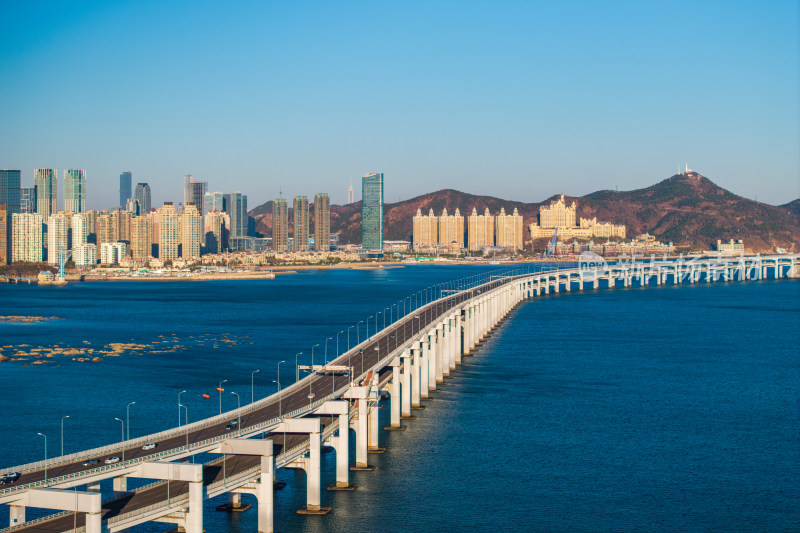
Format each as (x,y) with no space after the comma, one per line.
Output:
(322,222)
(480,230)
(142,237)
(5,236)
(142,195)
(191,231)
(125,188)
(80,230)
(372,212)
(132,206)
(300,214)
(26,237)
(425,230)
(280,225)
(451,229)
(10,198)
(236,207)
(106,230)
(213,201)
(46,182)
(27,200)
(121,218)
(91,225)
(509,230)
(216,223)
(198,192)
(56,238)
(187,188)
(75,190)
(112,253)
(168,232)
(85,254)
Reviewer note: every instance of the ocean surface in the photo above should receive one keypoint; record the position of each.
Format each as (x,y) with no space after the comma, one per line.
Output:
(661,409)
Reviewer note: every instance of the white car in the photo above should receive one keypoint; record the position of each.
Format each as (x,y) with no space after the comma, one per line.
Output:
(112,460)
(150,446)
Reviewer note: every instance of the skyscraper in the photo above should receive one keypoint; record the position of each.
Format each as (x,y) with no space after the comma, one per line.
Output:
(451,229)
(169,235)
(141,237)
(10,191)
(213,201)
(80,230)
(187,188)
(198,191)
(46,182)
(56,237)
(508,230)
(425,230)
(280,225)
(27,200)
(5,236)
(75,190)
(191,231)
(26,237)
(10,198)
(125,188)
(372,212)
(236,206)
(143,197)
(300,213)
(480,230)
(322,222)
(215,225)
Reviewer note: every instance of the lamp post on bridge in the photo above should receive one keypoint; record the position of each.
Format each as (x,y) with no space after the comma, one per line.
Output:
(367,324)
(279,397)
(296,368)
(221,390)
(128,419)
(312,357)
(348,337)
(358,334)
(419,323)
(326,349)
(238,407)
(179,407)
(122,425)
(337,343)
(252,378)
(45,456)
(62,434)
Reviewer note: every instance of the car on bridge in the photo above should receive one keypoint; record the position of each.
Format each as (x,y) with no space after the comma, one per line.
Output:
(90,462)
(112,460)
(10,477)
(150,446)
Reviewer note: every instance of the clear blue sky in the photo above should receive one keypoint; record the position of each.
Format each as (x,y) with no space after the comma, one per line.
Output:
(519,100)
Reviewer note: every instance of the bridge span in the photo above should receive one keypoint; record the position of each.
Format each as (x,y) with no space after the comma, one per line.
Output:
(406,360)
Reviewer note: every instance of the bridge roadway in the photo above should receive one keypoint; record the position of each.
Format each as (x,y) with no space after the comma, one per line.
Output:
(321,385)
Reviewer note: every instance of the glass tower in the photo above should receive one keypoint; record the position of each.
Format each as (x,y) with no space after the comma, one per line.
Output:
(143,197)
(125,188)
(75,190)
(27,200)
(46,182)
(9,204)
(372,212)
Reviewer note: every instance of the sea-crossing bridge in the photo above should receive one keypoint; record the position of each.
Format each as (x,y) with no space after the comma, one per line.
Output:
(407,360)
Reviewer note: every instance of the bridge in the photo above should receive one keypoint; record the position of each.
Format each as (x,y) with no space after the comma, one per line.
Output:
(406,360)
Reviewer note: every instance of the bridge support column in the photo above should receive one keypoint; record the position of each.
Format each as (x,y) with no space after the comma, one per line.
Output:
(405,391)
(394,400)
(194,518)
(373,444)
(341,442)
(447,330)
(569,283)
(62,500)
(416,377)
(459,347)
(311,464)
(431,359)
(424,367)
(465,345)
(439,349)
(16,514)
(361,426)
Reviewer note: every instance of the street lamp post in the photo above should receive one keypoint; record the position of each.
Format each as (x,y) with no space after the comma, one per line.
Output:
(122,425)
(367,324)
(187,423)
(45,456)
(312,357)
(220,390)
(419,323)
(128,419)
(358,335)
(238,407)
(326,349)
(179,407)
(62,434)
(279,397)
(337,343)
(348,338)
(252,377)
(296,368)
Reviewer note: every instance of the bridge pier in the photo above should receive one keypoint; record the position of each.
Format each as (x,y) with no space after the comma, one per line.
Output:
(341,442)
(405,391)
(459,347)
(311,464)
(439,347)
(16,514)
(416,377)
(431,359)
(394,398)
(361,427)
(424,366)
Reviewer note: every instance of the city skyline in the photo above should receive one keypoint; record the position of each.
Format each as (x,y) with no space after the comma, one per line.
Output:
(537,100)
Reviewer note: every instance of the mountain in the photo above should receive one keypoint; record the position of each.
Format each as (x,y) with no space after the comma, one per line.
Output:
(687,209)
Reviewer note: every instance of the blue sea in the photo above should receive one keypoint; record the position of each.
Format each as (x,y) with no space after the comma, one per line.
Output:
(660,409)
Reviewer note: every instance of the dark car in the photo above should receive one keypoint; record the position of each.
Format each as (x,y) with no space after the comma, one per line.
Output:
(90,462)
(10,477)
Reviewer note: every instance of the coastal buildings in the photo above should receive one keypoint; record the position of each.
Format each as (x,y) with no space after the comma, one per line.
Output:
(125,189)
(111,253)
(169,232)
(322,222)
(75,190)
(280,225)
(425,230)
(142,195)
(27,200)
(216,223)
(451,230)
(372,212)
(46,182)
(191,231)
(5,236)
(10,204)
(105,230)
(80,230)
(508,230)
(236,207)
(213,201)
(559,215)
(85,254)
(300,214)
(480,230)
(56,237)
(142,236)
(26,237)
(731,247)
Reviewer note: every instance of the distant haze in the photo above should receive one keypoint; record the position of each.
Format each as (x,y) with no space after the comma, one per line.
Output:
(518,100)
